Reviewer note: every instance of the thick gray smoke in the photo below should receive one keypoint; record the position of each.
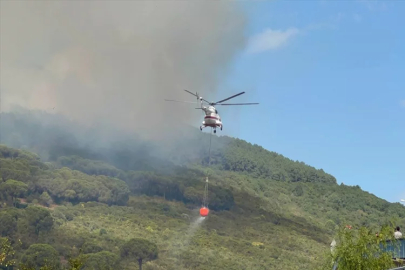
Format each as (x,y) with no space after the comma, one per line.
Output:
(113,62)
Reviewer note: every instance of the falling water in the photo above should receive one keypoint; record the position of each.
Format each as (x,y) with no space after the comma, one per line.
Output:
(179,247)
(192,229)
(194,225)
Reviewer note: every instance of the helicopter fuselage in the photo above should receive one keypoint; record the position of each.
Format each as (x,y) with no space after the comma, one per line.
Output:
(211,118)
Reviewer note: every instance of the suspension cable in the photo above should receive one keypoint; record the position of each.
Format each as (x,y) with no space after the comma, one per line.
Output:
(209,151)
(205,198)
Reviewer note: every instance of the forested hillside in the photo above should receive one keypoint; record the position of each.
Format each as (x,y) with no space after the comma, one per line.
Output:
(64,189)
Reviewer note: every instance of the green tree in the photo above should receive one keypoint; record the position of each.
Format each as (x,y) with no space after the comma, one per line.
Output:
(45,199)
(6,253)
(39,219)
(298,191)
(91,247)
(13,189)
(103,260)
(361,249)
(40,255)
(140,249)
(8,223)
(76,263)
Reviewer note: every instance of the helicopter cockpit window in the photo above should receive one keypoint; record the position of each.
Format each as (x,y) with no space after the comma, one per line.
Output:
(216,111)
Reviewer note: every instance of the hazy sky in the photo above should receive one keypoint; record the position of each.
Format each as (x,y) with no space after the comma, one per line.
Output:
(116,61)
(330,76)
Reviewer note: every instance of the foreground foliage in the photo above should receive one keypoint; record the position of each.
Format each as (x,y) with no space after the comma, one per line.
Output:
(361,249)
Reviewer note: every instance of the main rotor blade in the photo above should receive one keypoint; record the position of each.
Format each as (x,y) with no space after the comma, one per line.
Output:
(229,98)
(191,93)
(196,96)
(238,104)
(181,101)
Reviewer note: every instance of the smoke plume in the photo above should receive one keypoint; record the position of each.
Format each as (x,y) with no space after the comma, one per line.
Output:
(114,62)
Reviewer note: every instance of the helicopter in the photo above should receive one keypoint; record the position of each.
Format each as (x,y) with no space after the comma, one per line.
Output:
(212,118)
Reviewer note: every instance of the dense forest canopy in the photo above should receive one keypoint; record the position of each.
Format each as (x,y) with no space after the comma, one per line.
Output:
(69,190)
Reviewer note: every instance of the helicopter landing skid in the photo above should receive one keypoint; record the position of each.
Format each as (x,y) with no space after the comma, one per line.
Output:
(215,129)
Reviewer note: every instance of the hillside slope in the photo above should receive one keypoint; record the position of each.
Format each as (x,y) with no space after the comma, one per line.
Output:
(266,209)
(234,163)
(97,214)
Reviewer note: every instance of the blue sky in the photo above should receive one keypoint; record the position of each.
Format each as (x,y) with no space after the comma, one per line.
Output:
(330,77)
